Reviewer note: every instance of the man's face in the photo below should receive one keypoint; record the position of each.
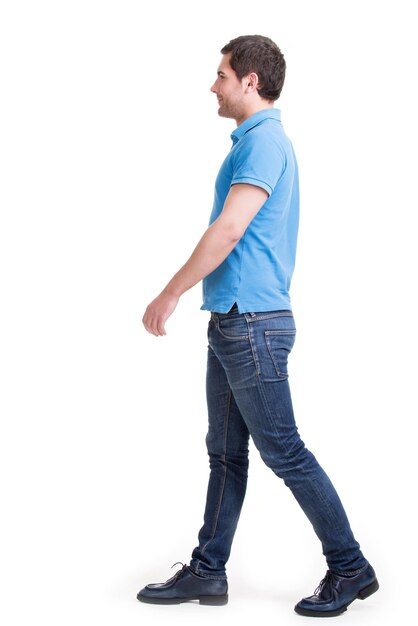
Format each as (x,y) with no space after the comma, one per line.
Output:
(229,90)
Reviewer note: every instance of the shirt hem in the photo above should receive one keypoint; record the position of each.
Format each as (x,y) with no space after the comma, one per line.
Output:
(253,181)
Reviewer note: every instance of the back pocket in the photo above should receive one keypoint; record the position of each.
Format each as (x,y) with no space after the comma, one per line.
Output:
(279,344)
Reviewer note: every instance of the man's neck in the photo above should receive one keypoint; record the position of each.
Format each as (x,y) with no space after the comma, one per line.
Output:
(254,109)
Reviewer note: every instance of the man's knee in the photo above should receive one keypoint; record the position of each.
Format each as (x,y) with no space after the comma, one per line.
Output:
(282,458)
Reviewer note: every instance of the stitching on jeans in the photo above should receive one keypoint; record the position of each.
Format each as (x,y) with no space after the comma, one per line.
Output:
(229,338)
(270,316)
(261,384)
(351,572)
(277,333)
(195,570)
(285,452)
(280,332)
(280,375)
(253,350)
(226,423)
(236,338)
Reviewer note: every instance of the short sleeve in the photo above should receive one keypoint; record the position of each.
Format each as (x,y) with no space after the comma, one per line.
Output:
(258,160)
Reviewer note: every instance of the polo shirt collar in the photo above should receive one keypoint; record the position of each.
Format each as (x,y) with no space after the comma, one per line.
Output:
(253,120)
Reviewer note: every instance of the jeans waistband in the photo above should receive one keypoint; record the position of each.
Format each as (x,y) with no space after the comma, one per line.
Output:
(233,312)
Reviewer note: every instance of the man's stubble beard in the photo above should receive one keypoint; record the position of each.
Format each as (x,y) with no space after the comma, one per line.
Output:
(228,111)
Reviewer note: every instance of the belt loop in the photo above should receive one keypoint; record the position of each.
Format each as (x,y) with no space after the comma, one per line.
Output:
(250,317)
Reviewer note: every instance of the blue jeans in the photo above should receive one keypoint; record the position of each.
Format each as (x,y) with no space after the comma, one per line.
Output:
(248,394)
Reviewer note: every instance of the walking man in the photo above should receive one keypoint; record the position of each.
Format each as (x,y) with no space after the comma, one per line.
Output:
(246,259)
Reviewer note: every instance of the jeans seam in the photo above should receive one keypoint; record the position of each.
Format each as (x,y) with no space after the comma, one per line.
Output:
(287,453)
(261,384)
(226,422)
(253,350)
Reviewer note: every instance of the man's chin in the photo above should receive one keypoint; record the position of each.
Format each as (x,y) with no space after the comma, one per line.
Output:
(223,113)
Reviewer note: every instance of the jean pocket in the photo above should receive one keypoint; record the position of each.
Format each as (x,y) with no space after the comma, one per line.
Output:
(279,345)
(233,328)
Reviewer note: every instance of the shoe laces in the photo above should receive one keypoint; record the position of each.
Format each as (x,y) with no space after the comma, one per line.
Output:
(328,579)
(180,571)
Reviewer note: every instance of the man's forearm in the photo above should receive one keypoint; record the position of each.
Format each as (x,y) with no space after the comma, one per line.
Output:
(242,204)
(212,249)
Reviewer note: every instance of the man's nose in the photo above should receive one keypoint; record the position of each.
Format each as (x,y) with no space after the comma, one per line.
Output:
(213,88)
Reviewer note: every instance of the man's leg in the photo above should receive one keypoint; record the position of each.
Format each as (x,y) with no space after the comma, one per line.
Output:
(227,444)
(253,350)
(227,441)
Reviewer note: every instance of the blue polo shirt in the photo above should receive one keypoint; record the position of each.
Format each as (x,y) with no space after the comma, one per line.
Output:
(256,274)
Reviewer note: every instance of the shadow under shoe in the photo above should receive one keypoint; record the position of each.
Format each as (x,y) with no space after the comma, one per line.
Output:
(184,586)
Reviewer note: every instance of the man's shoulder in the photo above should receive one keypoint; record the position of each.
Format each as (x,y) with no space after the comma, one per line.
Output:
(267,137)
(268,130)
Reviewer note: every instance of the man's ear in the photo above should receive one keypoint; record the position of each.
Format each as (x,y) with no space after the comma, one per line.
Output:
(251,82)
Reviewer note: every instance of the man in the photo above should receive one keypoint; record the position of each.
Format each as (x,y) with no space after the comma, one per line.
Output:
(246,259)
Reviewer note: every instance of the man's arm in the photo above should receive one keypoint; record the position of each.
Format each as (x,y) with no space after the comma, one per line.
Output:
(242,204)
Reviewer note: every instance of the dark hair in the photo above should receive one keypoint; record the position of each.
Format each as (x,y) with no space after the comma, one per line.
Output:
(255,53)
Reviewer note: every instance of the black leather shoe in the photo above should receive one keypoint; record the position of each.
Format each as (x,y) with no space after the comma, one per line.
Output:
(185,585)
(335,593)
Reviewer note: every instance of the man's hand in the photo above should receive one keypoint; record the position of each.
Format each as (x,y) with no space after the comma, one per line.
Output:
(158,312)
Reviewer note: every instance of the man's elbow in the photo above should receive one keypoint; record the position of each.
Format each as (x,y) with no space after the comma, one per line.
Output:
(232,233)
(228,231)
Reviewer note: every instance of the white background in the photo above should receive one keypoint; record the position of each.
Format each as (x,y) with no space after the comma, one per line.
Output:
(110,144)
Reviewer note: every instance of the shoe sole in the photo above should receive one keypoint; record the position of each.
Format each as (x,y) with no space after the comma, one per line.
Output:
(208,600)
(362,595)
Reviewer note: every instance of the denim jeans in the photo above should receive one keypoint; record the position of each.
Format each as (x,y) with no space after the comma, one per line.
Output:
(248,394)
